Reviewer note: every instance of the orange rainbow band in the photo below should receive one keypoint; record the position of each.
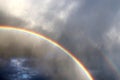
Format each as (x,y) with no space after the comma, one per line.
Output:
(54,43)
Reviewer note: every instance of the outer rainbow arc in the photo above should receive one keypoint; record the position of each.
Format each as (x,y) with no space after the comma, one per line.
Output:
(54,43)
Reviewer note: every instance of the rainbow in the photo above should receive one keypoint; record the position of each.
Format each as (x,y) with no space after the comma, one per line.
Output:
(52,42)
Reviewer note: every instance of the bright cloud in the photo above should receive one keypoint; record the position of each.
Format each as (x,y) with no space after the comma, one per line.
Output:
(42,13)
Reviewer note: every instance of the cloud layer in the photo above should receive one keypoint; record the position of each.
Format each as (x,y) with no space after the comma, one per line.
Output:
(88,28)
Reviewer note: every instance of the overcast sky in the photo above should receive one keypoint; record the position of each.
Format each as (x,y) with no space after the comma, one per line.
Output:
(88,28)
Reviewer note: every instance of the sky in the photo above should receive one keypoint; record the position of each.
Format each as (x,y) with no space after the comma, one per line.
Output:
(27,56)
(87,28)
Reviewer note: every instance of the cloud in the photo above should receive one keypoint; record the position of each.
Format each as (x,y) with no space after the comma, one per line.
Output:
(45,16)
(85,32)
(112,45)
(88,28)
(7,19)
(30,54)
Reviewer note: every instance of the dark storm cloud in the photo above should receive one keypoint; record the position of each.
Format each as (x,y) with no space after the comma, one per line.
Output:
(93,19)
(85,31)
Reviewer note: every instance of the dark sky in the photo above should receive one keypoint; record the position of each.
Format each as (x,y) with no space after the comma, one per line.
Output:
(88,28)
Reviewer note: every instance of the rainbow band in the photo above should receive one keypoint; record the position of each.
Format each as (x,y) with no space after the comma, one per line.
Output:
(54,43)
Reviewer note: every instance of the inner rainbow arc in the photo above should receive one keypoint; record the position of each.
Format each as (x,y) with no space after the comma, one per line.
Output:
(54,43)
